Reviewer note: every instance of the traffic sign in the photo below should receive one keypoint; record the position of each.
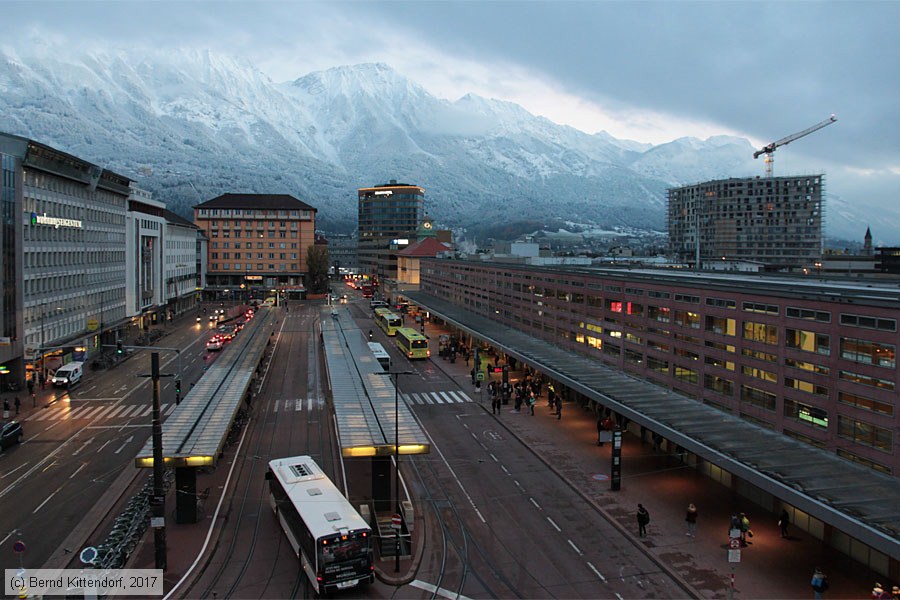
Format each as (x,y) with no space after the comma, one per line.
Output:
(88,555)
(734,544)
(734,556)
(479,376)
(18,546)
(395,521)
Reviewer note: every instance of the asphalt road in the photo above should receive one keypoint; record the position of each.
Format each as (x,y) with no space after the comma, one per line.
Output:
(77,445)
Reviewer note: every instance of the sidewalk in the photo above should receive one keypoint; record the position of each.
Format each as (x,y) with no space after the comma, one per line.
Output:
(770,567)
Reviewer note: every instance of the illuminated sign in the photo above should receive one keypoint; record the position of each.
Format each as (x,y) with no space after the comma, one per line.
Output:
(385,193)
(54,222)
(253,277)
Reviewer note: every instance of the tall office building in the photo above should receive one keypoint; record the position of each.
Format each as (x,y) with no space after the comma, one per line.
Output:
(389,215)
(776,221)
(257,243)
(63,248)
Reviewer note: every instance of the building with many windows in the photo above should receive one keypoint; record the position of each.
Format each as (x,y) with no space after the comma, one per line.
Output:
(256,243)
(63,248)
(389,215)
(812,359)
(776,221)
(180,265)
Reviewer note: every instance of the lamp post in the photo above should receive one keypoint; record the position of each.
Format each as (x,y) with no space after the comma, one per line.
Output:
(397,375)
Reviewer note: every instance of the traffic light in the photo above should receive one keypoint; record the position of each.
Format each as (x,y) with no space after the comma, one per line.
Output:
(177,391)
(119,348)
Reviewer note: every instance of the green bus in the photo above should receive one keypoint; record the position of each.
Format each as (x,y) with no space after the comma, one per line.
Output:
(412,343)
(389,322)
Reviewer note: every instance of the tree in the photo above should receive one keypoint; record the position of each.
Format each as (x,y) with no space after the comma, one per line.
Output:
(317,263)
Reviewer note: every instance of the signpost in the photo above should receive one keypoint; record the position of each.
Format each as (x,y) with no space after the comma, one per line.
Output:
(615,483)
(734,554)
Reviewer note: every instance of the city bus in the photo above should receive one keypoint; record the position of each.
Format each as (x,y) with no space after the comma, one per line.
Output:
(381,355)
(331,539)
(389,322)
(412,343)
(380,310)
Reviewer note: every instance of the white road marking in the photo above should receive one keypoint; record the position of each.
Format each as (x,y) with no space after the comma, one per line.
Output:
(106,443)
(494,457)
(122,447)
(555,526)
(41,505)
(83,465)
(505,470)
(9,535)
(83,446)
(536,505)
(5,475)
(598,573)
(431,589)
(574,547)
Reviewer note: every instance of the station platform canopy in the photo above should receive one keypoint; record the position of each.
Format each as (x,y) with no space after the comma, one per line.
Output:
(854,499)
(195,433)
(370,416)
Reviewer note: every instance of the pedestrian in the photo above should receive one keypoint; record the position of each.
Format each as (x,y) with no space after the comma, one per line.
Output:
(895,593)
(551,395)
(643,519)
(495,404)
(878,593)
(819,583)
(601,428)
(18,404)
(558,408)
(746,532)
(691,520)
(531,402)
(783,522)
(30,384)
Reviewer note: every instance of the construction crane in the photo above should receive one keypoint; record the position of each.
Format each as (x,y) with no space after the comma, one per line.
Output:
(769,149)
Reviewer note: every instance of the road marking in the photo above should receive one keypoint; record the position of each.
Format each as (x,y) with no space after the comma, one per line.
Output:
(41,505)
(463,394)
(619,597)
(171,409)
(83,465)
(431,589)
(437,398)
(536,505)
(115,412)
(122,447)
(519,485)
(505,470)
(574,547)
(446,397)
(46,429)
(5,475)
(83,446)
(9,535)
(598,573)
(555,526)
(105,444)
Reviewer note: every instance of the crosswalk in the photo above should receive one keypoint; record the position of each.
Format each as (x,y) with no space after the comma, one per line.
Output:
(102,412)
(296,404)
(448,397)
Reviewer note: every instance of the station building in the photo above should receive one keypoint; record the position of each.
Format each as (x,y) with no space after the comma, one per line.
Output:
(783,387)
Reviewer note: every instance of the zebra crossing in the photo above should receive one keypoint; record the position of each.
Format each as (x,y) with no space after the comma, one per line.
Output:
(448,397)
(296,404)
(102,412)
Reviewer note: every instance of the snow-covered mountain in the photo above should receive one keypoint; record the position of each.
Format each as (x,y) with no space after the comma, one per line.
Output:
(191,125)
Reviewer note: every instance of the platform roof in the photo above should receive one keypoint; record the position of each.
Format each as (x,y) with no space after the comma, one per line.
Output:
(364,395)
(854,499)
(195,433)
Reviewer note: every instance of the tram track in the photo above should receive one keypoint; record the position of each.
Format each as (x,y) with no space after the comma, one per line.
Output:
(246,512)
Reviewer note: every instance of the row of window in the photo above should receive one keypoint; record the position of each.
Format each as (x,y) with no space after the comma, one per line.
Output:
(271,255)
(272,234)
(251,267)
(249,245)
(253,213)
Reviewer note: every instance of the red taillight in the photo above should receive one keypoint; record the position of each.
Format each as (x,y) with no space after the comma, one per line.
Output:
(318,578)
(428,353)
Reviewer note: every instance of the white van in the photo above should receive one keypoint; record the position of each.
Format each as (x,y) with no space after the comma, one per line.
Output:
(68,375)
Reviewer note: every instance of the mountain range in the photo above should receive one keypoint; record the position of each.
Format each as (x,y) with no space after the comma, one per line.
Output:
(190,125)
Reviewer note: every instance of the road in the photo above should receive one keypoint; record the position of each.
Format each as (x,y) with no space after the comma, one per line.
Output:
(77,445)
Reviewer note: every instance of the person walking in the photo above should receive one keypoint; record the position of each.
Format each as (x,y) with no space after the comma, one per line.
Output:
(819,583)
(558,408)
(783,521)
(745,529)
(531,402)
(495,404)
(643,519)
(691,520)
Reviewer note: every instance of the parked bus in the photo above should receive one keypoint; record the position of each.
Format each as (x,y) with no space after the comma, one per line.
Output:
(331,539)
(381,355)
(389,322)
(412,343)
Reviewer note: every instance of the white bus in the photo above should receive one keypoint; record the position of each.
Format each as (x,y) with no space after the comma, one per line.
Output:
(381,355)
(331,539)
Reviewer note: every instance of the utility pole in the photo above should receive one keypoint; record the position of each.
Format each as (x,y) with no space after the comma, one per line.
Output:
(158,504)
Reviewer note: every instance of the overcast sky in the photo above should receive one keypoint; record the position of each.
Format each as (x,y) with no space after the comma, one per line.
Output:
(647,71)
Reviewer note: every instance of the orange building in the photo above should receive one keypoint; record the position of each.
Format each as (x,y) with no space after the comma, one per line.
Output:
(257,243)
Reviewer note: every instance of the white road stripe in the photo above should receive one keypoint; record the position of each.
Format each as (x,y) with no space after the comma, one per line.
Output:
(436,590)
(555,526)
(171,409)
(536,505)
(446,397)
(90,412)
(115,412)
(463,394)
(599,574)
(574,547)
(437,398)
(83,465)
(51,414)
(427,399)
(146,412)
(103,412)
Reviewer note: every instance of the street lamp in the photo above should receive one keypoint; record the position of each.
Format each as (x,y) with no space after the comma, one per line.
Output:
(397,375)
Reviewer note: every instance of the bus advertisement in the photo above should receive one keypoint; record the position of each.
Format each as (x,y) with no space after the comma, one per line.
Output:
(331,539)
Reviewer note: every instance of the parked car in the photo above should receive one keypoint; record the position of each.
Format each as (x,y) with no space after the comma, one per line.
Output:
(10,433)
